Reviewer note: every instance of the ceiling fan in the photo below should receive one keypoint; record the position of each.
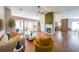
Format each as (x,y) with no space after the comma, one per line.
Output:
(39,8)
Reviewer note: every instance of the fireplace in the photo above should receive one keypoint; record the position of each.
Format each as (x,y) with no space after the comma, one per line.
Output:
(48,28)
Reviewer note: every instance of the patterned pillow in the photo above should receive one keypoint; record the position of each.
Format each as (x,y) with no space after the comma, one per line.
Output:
(9,35)
(14,34)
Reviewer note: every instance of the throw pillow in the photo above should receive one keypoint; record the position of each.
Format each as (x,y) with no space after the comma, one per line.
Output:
(9,35)
(14,34)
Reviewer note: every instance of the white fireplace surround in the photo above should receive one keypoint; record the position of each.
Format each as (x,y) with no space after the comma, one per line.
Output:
(49,26)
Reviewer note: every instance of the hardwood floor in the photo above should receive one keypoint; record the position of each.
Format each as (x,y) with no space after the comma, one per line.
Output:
(63,42)
(67,42)
(29,46)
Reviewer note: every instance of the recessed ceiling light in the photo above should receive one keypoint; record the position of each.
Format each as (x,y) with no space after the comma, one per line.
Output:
(20,9)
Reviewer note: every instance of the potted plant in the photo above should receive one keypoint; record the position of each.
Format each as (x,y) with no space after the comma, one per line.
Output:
(11,23)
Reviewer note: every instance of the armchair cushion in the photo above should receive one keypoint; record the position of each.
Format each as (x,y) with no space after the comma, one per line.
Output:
(44,41)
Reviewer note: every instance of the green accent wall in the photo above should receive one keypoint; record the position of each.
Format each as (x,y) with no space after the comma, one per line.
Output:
(49,18)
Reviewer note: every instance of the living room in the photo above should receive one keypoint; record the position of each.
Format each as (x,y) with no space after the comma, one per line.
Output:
(39,28)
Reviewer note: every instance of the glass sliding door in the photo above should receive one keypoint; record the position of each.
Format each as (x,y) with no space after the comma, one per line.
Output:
(24,26)
(19,26)
(31,25)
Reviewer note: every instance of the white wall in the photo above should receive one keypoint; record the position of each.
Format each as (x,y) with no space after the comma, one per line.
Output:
(42,23)
(2,17)
(59,16)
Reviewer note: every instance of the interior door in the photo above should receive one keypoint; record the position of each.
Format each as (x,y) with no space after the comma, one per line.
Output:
(64,25)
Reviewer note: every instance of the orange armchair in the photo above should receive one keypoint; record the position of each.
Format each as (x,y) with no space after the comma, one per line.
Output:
(44,44)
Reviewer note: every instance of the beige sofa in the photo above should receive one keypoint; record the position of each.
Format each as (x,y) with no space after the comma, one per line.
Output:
(10,44)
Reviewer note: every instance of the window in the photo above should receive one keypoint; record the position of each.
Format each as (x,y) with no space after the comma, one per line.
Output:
(19,25)
(26,25)
(75,26)
(31,25)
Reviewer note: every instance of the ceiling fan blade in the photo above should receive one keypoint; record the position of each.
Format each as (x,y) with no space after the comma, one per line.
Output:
(44,10)
(39,10)
(47,11)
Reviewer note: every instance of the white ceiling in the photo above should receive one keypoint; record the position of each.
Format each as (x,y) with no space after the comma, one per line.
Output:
(28,11)
(31,11)
(60,9)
